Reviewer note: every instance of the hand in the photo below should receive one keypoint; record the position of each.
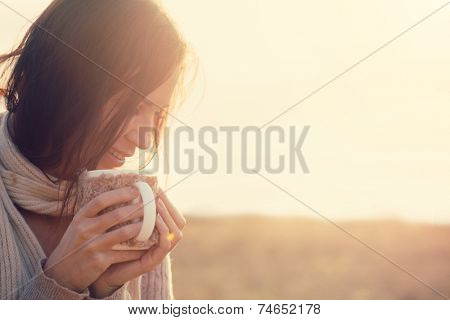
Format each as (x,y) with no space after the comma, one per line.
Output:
(169,223)
(84,251)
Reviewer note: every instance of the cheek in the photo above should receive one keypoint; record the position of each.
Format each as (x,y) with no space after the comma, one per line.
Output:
(103,163)
(106,162)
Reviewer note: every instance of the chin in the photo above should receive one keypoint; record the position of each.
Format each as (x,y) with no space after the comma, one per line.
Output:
(106,167)
(104,164)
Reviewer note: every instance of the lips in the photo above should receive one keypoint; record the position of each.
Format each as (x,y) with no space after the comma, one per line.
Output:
(119,156)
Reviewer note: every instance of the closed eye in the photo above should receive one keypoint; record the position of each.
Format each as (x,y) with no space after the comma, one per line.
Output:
(154,107)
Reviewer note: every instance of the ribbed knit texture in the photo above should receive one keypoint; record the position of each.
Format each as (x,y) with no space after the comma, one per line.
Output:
(91,187)
(21,272)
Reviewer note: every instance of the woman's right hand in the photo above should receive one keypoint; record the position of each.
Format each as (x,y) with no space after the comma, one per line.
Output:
(84,251)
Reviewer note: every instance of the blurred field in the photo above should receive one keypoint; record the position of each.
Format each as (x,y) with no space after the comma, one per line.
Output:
(256,257)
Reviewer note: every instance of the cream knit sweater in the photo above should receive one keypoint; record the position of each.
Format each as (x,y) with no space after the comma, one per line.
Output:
(21,271)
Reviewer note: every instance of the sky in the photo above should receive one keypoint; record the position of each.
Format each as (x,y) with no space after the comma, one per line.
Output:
(378,142)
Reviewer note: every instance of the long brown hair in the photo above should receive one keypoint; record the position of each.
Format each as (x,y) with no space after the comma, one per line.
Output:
(71,61)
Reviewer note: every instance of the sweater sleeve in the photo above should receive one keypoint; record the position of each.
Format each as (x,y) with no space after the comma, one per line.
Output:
(118,294)
(157,284)
(41,287)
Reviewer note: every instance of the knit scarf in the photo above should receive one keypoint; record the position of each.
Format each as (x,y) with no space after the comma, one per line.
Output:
(26,184)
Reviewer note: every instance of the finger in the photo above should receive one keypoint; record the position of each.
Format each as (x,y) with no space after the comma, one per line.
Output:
(110,238)
(155,256)
(173,228)
(125,271)
(129,270)
(179,219)
(164,242)
(107,199)
(118,256)
(119,215)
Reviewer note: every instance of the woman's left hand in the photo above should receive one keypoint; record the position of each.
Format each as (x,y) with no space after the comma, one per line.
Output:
(170,223)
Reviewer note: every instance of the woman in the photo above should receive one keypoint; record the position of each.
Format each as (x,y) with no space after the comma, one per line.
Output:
(86,78)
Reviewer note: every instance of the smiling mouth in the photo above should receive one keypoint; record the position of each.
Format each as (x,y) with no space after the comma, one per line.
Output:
(117,155)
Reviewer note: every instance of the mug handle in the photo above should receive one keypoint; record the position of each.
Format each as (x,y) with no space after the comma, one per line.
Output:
(149,221)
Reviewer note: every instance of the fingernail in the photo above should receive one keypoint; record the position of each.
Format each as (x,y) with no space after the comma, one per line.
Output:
(135,191)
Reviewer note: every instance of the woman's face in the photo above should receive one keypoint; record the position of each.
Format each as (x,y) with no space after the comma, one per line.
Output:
(147,114)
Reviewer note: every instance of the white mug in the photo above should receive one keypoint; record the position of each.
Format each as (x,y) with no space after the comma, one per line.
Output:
(149,205)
